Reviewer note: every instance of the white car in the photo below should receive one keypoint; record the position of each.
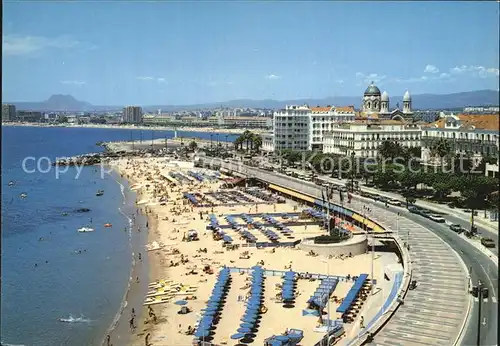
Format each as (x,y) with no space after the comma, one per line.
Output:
(395,202)
(436,218)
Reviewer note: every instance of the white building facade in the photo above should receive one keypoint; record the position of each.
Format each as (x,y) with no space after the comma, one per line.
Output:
(301,128)
(476,135)
(364,137)
(267,142)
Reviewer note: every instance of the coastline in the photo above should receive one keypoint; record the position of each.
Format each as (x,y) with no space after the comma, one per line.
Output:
(134,293)
(149,128)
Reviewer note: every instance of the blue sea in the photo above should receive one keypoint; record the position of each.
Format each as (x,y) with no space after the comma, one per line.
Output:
(59,286)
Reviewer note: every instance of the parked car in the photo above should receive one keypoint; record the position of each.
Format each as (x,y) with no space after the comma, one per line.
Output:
(488,242)
(413,209)
(436,218)
(425,213)
(457,228)
(395,202)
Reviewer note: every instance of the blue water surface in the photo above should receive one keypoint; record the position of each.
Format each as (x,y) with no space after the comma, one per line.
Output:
(51,294)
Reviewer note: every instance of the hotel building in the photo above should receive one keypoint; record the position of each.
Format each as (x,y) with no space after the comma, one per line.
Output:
(473,134)
(364,137)
(302,128)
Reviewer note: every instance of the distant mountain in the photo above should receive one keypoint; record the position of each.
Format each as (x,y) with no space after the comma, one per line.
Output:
(56,103)
(422,101)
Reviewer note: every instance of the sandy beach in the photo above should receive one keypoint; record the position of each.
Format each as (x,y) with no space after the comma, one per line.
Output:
(190,267)
(133,127)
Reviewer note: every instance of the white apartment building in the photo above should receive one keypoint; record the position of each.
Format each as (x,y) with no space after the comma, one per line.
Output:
(241,121)
(267,142)
(364,137)
(302,127)
(473,134)
(323,119)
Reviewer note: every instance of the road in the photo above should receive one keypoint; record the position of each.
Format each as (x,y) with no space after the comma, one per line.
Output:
(460,219)
(482,266)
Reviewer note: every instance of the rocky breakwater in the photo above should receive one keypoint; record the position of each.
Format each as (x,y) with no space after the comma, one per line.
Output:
(87,159)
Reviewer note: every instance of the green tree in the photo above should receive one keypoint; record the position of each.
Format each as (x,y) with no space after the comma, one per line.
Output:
(441,148)
(476,193)
(390,150)
(192,146)
(409,196)
(257,142)
(441,186)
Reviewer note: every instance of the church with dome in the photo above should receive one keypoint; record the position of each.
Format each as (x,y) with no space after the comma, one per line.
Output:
(375,105)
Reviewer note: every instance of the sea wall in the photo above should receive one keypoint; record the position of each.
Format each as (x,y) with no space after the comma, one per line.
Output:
(354,246)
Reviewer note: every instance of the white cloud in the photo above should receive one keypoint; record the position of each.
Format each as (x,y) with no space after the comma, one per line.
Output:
(431,69)
(340,81)
(372,77)
(476,71)
(273,76)
(149,78)
(73,82)
(444,75)
(26,45)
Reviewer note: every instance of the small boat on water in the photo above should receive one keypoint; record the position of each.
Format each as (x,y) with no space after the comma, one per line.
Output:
(23,195)
(99,193)
(85,229)
(108,225)
(12,182)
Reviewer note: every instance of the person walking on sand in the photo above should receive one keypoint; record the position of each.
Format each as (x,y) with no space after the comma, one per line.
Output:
(146,339)
(140,257)
(108,340)
(131,324)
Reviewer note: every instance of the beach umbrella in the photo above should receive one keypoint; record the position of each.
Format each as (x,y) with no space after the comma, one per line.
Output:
(237,336)
(244,330)
(202,333)
(181,302)
(246,325)
(249,319)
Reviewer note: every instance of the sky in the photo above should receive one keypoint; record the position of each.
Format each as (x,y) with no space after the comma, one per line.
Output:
(180,53)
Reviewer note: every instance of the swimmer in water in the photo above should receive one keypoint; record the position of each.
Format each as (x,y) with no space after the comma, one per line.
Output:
(140,258)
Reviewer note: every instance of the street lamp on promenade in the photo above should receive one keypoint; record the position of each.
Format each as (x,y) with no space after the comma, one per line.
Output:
(352,171)
(328,301)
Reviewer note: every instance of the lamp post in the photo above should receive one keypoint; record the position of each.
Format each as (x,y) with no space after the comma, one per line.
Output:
(211,135)
(328,300)
(479,295)
(227,143)
(352,171)
(397,224)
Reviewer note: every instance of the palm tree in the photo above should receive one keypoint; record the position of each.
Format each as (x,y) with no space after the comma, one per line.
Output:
(257,141)
(441,148)
(238,143)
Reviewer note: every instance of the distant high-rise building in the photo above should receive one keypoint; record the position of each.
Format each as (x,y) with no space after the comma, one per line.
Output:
(132,115)
(8,112)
